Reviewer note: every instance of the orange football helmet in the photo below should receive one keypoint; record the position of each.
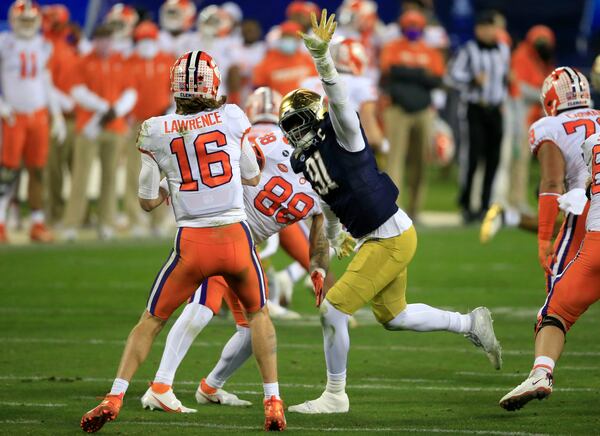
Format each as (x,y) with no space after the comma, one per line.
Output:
(565,88)
(122,19)
(177,15)
(262,106)
(349,56)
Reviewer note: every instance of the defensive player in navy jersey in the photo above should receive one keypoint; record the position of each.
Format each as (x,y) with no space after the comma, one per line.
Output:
(332,152)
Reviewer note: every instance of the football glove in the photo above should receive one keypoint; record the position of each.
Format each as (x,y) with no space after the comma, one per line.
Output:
(318,278)
(7,113)
(317,43)
(344,245)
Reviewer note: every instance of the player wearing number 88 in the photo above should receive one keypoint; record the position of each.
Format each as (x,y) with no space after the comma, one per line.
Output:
(332,152)
(204,152)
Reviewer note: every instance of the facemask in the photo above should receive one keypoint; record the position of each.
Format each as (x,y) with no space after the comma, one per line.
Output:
(543,50)
(287,45)
(147,48)
(412,34)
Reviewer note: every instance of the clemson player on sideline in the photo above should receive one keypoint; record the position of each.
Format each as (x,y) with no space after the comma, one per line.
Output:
(203,152)
(279,200)
(333,154)
(574,291)
(556,141)
(25,98)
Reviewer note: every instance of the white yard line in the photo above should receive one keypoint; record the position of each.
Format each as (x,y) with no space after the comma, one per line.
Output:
(19,404)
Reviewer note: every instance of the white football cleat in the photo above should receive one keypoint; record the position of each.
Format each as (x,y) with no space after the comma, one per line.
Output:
(279,312)
(492,223)
(482,335)
(286,286)
(219,396)
(326,403)
(167,402)
(537,385)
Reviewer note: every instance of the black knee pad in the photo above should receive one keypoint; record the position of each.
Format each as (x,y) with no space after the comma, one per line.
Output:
(549,320)
(8,177)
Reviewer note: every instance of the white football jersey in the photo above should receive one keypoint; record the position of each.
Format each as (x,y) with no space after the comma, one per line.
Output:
(23,64)
(568,131)
(200,156)
(361,89)
(282,197)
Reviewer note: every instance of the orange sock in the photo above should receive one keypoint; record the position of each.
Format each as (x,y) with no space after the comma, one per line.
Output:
(160,388)
(206,388)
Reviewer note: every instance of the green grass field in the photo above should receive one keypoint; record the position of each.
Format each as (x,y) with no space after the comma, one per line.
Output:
(65,312)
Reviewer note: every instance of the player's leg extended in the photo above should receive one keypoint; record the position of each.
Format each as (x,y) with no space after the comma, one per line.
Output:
(571,295)
(235,353)
(247,280)
(177,280)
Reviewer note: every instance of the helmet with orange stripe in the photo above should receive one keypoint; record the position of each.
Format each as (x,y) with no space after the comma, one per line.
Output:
(565,88)
(195,74)
(25,18)
(349,56)
(262,106)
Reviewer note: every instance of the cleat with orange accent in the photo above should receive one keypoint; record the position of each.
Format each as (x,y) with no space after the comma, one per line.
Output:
(206,394)
(40,233)
(3,238)
(107,410)
(274,416)
(161,397)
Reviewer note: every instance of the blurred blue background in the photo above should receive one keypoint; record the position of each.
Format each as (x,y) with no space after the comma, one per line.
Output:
(576,22)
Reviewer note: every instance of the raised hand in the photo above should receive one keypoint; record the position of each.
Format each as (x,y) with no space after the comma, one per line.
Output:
(318,42)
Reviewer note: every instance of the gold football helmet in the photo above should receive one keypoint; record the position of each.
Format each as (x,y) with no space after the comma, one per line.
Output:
(299,113)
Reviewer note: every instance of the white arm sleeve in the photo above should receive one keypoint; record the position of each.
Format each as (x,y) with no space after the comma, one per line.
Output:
(65,101)
(248,163)
(149,178)
(459,70)
(88,100)
(333,227)
(272,244)
(345,121)
(126,102)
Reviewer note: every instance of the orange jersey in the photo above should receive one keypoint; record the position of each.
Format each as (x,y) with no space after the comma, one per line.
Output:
(416,54)
(63,65)
(152,83)
(283,73)
(106,77)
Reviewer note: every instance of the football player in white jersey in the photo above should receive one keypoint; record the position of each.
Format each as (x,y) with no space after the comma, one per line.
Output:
(122,20)
(574,291)
(280,199)
(176,18)
(556,140)
(351,61)
(25,100)
(203,151)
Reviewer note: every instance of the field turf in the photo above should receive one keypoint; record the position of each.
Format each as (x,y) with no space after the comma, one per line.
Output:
(65,311)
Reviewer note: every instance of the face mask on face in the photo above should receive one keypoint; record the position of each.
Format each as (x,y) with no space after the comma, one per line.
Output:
(413,34)
(287,45)
(543,50)
(147,48)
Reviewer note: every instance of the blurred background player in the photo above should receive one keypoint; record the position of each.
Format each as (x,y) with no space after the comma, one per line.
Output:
(331,152)
(298,11)
(280,200)
(213,238)
(149,69)
(121,19)
(104,94)
(26,99)
(247,55)
(285,65)
(573,293)
(176,18)
(60,32)
(411,70)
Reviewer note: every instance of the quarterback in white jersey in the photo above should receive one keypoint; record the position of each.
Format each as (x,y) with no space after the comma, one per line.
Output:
(25,102)
(280,199)
(204,153)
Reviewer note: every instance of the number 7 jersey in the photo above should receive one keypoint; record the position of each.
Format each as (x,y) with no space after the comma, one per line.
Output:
(282,197)
(200,156)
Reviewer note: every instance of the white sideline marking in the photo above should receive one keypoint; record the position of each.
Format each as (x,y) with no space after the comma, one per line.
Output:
(317,345)
(20,421)
(19,404)
(388,387)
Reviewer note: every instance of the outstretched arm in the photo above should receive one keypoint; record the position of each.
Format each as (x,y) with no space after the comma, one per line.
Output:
(344,119)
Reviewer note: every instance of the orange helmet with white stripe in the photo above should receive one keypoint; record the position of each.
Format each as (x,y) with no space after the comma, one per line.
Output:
(177,15)
(25,18)
(349,56)
(262,106)
(195,74)
(122,19)
(565,88)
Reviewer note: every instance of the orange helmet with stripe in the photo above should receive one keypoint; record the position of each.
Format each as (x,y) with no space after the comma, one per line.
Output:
(349,56)
(565,88)
(177,15)
(262,106)
(195,74)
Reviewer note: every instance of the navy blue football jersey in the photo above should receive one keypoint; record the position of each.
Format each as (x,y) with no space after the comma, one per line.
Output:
(361,196)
